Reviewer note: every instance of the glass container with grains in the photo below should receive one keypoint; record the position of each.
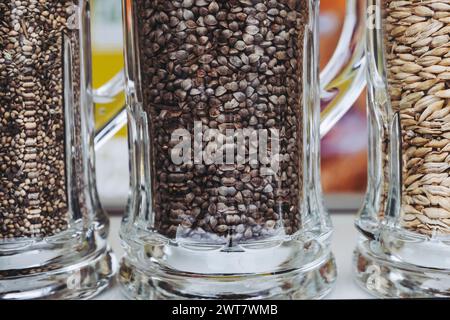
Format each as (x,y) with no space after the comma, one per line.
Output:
(405,221)
(224,131)
(52,228)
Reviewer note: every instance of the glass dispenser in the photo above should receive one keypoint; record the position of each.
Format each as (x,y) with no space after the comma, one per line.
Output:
(404,248)
(224,111)
(52,227)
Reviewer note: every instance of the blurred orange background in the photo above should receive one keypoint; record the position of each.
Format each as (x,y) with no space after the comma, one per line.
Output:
(344,155)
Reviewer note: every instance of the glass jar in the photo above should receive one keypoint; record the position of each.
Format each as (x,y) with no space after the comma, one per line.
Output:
(404,247)
(224,110)
(52,228)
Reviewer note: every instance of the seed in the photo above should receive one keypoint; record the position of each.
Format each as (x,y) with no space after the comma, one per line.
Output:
(430,109)
(213,7)
(240,45)
(195,92)
(222,228)
(231,105)
(411,67)
(27,48)
(228,66)
(187,3)
(239,96)
(240,228)
(235,61)
(445,94)
(417,45)
(423,11)
(33,156)
(210,20)
(252,30)
(206,59)
(186,84)
(220,91)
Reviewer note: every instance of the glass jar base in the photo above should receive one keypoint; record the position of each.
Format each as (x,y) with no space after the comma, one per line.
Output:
(81,280)
(154,283)
(385,278)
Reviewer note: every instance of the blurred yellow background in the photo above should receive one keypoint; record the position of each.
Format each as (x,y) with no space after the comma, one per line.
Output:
(107,41)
